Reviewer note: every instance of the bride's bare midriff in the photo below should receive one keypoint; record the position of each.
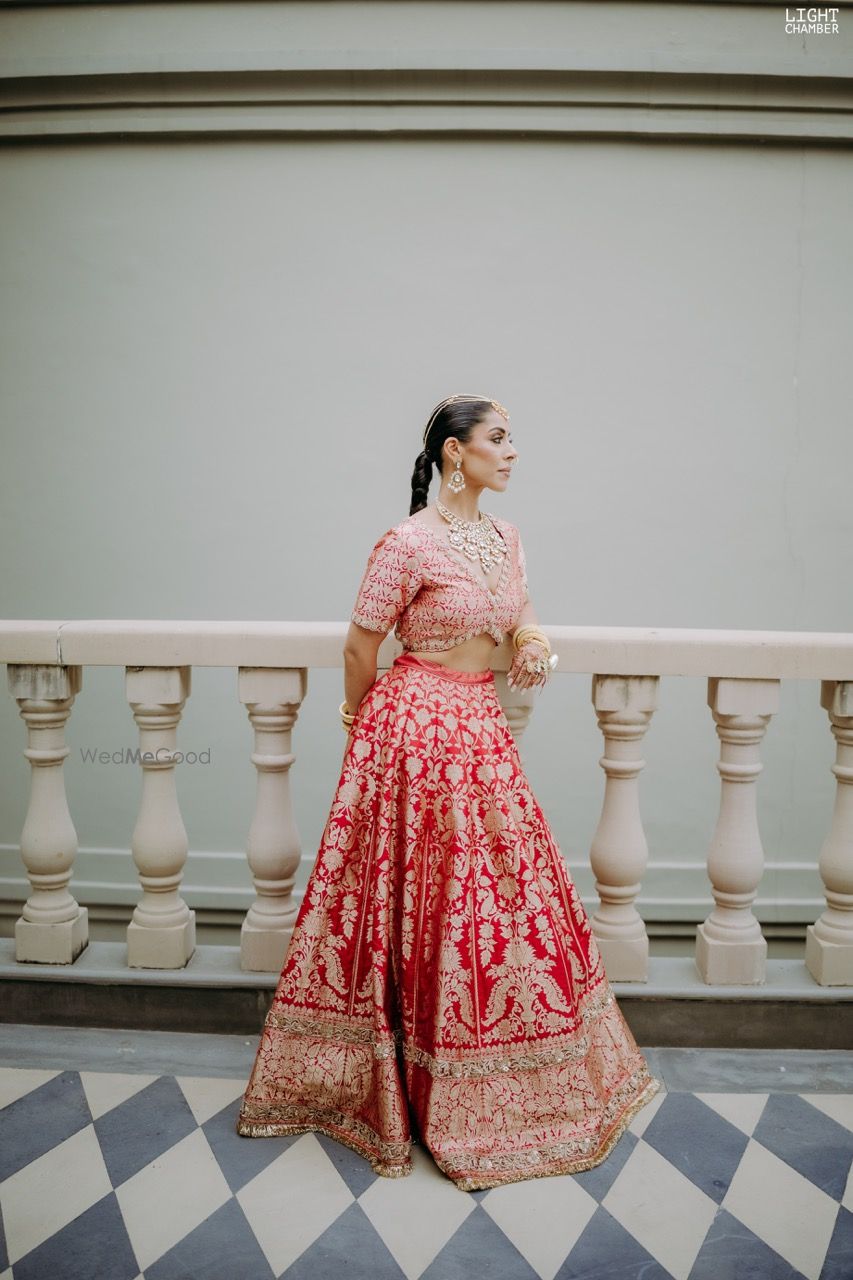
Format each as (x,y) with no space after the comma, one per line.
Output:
(472,655)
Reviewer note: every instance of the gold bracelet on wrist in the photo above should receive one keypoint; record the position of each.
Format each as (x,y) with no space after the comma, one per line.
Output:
(528,635)
(530,629)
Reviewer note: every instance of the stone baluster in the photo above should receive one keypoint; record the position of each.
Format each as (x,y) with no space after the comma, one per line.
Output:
(273,699)
(53,929)
(161,933)
(730,947)
(829,942)
(624,706)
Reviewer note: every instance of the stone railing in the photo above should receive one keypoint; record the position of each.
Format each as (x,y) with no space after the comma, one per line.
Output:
(744,671)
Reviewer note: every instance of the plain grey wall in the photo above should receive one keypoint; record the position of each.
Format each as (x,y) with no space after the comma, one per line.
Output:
(217,360)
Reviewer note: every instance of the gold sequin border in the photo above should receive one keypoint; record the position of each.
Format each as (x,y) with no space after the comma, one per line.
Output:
(460,1063)
(276,1120)
(478,1173)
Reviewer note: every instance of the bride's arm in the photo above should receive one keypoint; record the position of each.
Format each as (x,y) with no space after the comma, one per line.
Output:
(361,648)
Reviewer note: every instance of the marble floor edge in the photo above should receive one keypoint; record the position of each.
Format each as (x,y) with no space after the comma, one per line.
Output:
(127,1050)
(232,1056)
(752,1070)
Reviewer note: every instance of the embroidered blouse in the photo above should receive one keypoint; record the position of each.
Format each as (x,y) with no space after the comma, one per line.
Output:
(416,580)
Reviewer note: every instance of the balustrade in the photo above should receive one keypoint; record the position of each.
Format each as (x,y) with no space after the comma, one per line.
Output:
(743,696)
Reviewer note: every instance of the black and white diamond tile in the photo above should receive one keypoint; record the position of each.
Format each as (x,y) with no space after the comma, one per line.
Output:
(141,1177)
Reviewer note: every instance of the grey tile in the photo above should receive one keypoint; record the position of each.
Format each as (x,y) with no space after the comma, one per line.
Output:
(223,1247)
(479,1248)
(697,1141)
(239,1158)
(733,1252)
(356,1171)
(598,1180)
(40,1120)
(137,1131)
(606,1251)
(4,1253)
(350,1247)
(808,1140)
(838,1263)
(95,1244)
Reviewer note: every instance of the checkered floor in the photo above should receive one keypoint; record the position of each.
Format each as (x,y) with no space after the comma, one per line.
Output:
(119,1175)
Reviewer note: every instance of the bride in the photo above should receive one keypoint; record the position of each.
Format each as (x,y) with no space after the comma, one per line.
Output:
(443,983)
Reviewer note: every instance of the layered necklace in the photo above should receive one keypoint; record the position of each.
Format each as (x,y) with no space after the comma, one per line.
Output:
(476,539)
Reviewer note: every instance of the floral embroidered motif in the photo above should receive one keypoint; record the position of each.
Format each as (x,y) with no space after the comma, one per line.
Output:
(442,974)
(416,581)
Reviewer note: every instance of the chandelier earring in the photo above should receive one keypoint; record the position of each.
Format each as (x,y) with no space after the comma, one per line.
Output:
(456,483)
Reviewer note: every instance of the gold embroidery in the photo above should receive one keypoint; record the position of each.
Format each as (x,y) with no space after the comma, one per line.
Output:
(551,1161)
(414,583)
(442,970)
(394,1162)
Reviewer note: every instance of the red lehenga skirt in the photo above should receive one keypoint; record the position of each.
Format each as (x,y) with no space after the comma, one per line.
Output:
(442,982)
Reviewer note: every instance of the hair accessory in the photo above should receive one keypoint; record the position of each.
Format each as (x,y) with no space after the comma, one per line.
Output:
(498,408)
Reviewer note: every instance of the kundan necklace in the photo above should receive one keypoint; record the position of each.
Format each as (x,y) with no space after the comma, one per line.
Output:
(476,539)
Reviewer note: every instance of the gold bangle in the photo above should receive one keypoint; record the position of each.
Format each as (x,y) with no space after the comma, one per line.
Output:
(530,629)
(529,634)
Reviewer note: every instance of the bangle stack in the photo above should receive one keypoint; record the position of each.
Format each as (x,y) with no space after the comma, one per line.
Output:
(523,635)
(347,716)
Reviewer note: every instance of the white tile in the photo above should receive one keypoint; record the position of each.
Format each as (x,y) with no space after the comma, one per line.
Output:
(6,1275)
(292,1202)
(106,1089)
(543,1217)
(743,1110)
(418,1214)
(785,1209)
(50,1192)
(206,1094)
(648,1196)
(171,1196)
(838,1106)
(17,1081)
(649,1111)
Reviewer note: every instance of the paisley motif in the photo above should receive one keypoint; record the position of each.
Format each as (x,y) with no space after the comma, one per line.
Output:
(442,983)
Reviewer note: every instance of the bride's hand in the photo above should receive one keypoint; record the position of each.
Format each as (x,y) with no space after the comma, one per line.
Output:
(519,676)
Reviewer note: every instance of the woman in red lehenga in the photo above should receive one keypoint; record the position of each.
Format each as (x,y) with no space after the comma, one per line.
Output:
(443,983)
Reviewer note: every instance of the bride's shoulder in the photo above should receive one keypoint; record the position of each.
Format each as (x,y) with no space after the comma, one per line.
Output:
(402,536)
(505,527)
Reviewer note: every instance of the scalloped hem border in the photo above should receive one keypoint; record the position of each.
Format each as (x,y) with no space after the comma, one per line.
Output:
(476,1183)
(274,1129)
(262,1129)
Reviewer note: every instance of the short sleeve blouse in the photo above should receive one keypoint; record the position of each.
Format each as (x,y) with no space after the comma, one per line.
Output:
(389,584)
(416,583)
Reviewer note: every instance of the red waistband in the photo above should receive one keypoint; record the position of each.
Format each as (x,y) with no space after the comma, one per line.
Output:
(439,669)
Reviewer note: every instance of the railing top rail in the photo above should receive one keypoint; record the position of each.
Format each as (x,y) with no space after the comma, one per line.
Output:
(769,655)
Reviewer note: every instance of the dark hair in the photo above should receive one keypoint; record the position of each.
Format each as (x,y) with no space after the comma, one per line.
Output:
(459,418)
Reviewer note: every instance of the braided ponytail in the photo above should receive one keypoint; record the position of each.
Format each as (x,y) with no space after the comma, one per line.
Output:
(421,477)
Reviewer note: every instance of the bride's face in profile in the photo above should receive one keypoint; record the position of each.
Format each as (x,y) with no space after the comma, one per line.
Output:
(488,455)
